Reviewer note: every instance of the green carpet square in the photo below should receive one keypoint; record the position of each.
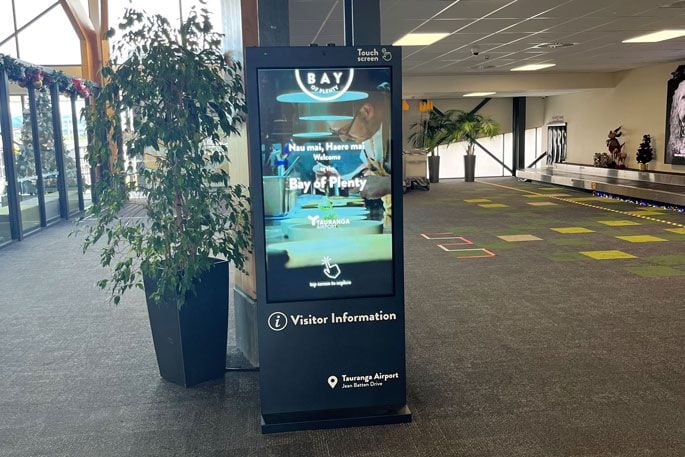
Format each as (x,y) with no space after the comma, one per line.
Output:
(497,246)
(461,230)
(656,271)
(567,257)
(667,260)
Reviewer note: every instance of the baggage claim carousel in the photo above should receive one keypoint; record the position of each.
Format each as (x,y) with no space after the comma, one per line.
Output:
(657,187)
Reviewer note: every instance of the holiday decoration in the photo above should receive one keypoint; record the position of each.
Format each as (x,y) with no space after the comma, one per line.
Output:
(616,149)
(602,159)
(645,153)
(24,74)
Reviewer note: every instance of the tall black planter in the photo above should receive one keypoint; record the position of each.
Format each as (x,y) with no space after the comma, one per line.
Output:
(434,168)
(190,342)
(469,167)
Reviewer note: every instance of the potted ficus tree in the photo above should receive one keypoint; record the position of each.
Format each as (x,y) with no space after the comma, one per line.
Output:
(468,126)
(427,135)
(185,99)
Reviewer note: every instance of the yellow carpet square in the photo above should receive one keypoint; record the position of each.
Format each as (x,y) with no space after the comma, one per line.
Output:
(543,204)
(608,255)
(619,223)
(477,200)
(680,230)
(493,205)
(516,238)
(573,230)
(641,238)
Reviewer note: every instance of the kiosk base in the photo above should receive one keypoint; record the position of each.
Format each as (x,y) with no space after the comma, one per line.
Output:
(278,423)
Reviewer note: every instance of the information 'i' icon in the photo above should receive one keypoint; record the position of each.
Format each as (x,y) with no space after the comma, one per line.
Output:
(277,321)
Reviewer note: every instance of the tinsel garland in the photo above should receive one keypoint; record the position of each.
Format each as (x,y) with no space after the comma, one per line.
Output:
(23,73)
(640,202)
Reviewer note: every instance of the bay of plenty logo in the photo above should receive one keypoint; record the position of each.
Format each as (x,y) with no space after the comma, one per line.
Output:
(325,85)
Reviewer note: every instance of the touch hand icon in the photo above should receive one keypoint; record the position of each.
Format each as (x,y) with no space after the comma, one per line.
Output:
(332,271)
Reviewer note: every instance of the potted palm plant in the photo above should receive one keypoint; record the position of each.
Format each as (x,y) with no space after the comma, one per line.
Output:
(185,99)
(468,126)
(427,135)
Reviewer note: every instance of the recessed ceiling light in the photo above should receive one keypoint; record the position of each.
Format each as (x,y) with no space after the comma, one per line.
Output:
(657,36)
(479,94)
(534,67)
(419,39)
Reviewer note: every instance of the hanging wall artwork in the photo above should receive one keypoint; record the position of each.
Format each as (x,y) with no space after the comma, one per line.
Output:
(556,142)
(675,119)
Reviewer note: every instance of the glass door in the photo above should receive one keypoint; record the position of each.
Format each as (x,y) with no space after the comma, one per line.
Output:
(70,154)
(24,159)
(5,228)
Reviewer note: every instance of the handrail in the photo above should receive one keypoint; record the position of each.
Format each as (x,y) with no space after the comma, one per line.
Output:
(24,73)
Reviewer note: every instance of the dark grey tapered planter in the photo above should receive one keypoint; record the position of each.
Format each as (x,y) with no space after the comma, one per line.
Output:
(469,167)
(190,342)
(434,168)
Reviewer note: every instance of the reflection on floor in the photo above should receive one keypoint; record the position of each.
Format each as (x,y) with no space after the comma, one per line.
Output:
(571,345)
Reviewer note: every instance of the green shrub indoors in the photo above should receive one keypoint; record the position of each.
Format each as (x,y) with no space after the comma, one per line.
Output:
(184,98)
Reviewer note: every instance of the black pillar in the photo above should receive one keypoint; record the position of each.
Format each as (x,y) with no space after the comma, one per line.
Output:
(77,153)
(8,158)
(362,22)
(35,135)
(274,23)
(59,152)
(519,133)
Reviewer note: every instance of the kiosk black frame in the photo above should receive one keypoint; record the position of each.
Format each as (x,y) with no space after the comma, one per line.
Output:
(281,358)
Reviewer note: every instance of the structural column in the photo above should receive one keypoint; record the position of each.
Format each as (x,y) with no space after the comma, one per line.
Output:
(519,133)
(362,22)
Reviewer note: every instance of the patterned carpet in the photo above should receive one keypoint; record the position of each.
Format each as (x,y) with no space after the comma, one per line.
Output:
(541,321)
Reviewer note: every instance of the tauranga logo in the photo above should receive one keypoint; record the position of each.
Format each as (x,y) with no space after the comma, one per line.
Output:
(325,85)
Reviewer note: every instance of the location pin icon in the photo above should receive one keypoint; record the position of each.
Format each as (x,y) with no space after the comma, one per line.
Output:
(332,381)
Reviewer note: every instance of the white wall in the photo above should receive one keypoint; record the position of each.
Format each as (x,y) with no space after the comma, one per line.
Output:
(638,102)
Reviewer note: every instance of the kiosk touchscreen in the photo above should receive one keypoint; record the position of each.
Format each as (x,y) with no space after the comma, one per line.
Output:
(325,158)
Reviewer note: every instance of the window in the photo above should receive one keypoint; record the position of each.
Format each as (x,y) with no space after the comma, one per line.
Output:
(59,46)
(170,9)
(50,40)
(452,161)
(534,147)
(24,160)
(5,230)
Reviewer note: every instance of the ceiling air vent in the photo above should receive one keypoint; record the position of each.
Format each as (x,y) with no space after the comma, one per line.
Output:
(481,67)
(554,45)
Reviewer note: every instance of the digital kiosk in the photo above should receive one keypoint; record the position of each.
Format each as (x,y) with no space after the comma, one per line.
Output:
(325,158)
